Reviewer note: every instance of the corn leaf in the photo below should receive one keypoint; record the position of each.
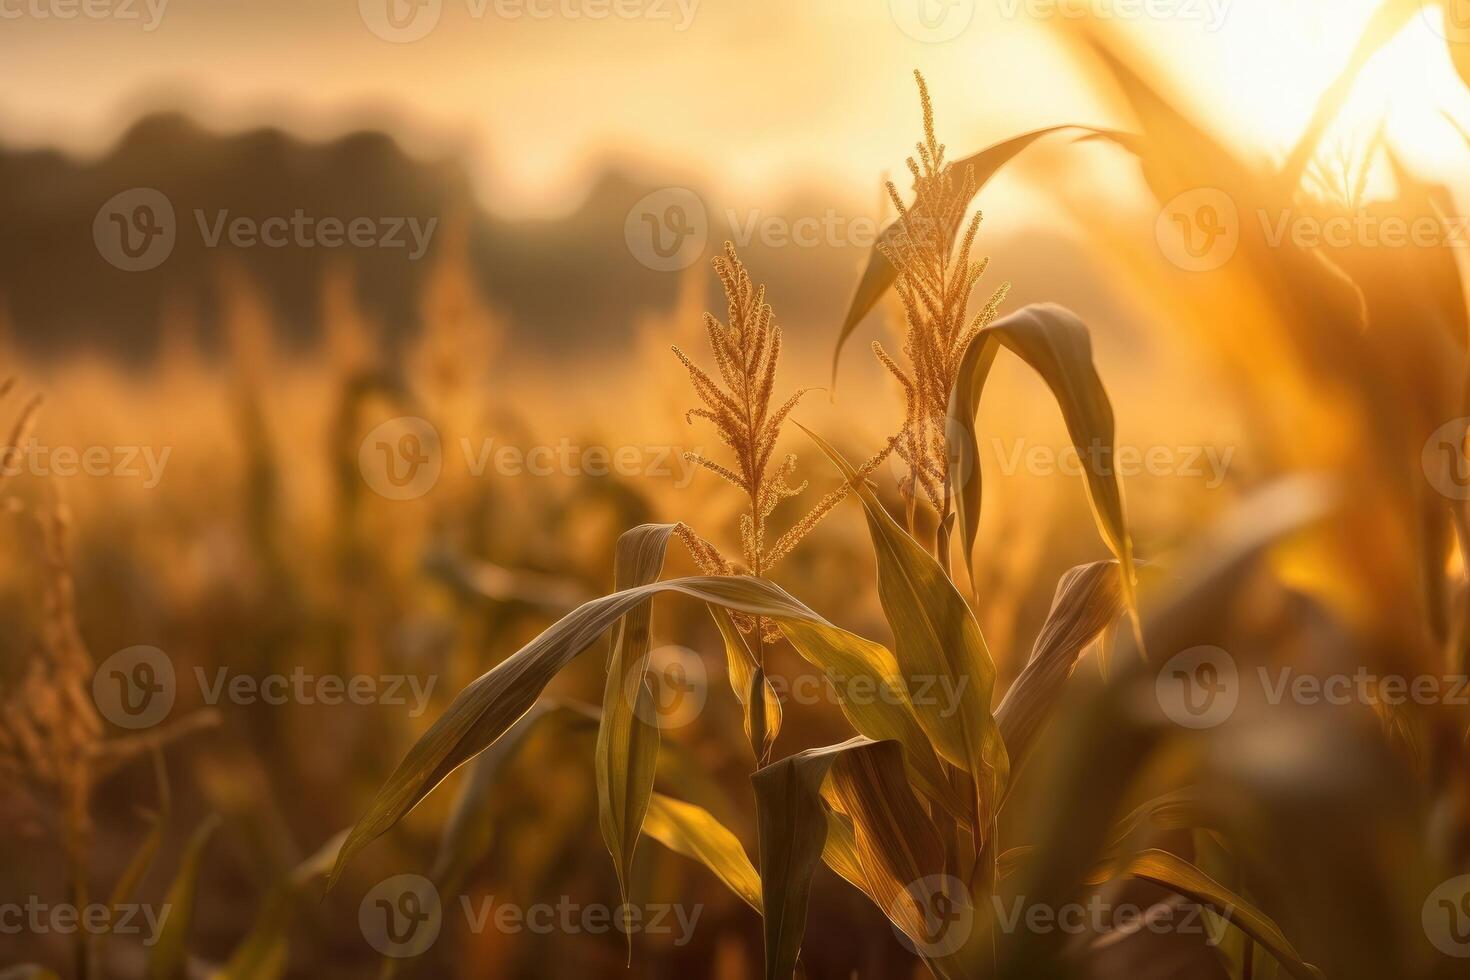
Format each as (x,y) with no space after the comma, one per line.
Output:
(694,832)
(840,851)
(627,739)
(762,715)
(483,711)
(1088,599)
(880,274)
(1179,875)
(892,846)
(945,664)
(791,821)
(1057,346)
(170,955)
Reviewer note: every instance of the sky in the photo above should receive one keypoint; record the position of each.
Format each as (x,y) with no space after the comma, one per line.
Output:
(751,97)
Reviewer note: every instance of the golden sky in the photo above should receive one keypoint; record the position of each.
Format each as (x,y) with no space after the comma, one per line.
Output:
(752,96)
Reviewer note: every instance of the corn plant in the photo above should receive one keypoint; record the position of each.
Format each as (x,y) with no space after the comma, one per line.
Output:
(907,809)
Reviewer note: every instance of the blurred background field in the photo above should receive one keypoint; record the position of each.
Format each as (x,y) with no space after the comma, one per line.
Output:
(256,374)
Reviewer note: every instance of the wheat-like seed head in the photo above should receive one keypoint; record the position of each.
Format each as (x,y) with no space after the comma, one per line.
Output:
(739,402)
(49,727)
(935,277)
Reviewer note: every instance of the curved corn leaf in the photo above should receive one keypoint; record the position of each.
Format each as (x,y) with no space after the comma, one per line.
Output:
(694,832)
(945,664)
(1109,742)
(840,851)
(491,704)
(791,824)
(898,848)
(850,805)
(880,274)
(1058,347)
(1176,810)
(626,756)
(170,955)
(762,715)
(1088,599)
(1179,875)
